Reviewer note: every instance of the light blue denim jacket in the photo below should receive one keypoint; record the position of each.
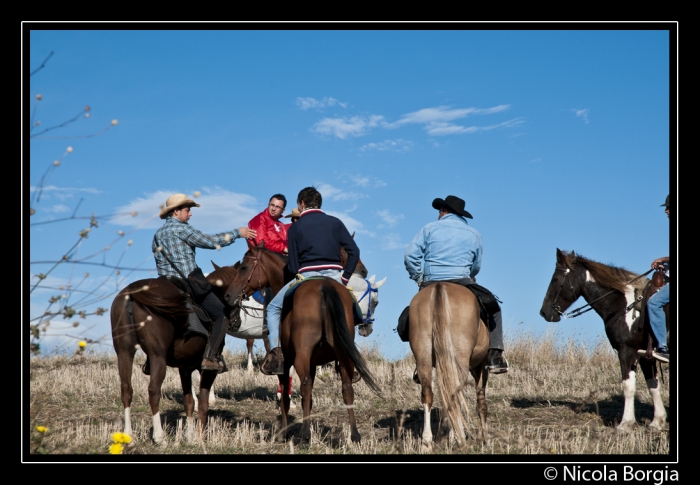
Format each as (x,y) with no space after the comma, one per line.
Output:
(445,249)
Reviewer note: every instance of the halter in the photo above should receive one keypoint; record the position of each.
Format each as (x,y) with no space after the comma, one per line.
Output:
(368,319)
(580,310)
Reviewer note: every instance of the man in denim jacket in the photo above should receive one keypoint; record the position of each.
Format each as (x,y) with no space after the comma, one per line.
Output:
(450,249)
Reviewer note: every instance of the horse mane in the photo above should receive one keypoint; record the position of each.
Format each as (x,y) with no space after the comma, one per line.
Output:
(607,276)
(223,273)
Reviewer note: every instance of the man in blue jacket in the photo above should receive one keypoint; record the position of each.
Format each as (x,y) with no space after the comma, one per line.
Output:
(450,249)
(314,243)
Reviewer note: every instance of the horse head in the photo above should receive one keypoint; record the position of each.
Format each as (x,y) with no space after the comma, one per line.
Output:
(258,269)
(366,292)
(564,288)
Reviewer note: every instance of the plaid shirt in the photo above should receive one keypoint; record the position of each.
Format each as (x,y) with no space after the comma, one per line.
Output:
(179,240)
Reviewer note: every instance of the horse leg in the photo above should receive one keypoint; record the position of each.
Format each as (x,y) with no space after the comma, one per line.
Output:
(346,373)
(195,391)
(481,377)
(158,369)
(188,401)
(249,346)
(649,370)
(629,384)
(125,362)
(306,375)
(425,375)
(206,381)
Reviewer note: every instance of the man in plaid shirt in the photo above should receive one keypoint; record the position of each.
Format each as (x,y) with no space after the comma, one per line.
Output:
(175,243)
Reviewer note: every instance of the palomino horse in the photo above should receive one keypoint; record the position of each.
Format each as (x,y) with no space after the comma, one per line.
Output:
(320,328)
(151,314)
(447,333)
(614,294)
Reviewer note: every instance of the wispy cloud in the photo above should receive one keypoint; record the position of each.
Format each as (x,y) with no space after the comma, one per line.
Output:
(366,181)
(441,128)
(390,220)
(309,103)
(349,126)
(217,205)
(352,224)
(442,114)
(328,192)
(397,145)
(581,113)
(392,241)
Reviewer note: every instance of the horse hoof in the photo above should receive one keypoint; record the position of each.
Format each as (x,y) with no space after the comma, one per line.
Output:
(426,446)
(625,426)
(657,425)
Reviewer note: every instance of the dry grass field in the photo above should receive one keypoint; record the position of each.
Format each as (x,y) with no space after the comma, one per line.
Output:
(559,398)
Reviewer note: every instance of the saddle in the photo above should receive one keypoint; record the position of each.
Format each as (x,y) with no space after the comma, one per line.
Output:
(198,321)
(652,286)
(287,303)
(488,303)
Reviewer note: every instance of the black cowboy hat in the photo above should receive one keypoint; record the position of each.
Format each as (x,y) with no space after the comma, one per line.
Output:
(666,204)
(453,203)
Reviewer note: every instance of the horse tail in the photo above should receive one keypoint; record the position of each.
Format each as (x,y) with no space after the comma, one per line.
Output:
(452,373)
(333,309)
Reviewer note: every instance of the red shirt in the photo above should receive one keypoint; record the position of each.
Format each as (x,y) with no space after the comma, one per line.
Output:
(273,232)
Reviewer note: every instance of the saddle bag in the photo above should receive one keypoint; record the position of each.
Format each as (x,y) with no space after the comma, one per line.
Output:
(199,285)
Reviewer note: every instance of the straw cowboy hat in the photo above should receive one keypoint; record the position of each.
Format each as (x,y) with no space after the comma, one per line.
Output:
(176,201)
(454,203)
(295,213)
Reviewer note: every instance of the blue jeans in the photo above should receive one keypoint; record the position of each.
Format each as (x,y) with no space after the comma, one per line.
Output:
(275,307)
(657,317)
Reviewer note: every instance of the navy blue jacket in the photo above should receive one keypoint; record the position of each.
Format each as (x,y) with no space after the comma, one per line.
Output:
(314,243)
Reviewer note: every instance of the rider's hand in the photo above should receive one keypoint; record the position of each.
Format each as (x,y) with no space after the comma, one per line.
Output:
(247,232)
(658,263)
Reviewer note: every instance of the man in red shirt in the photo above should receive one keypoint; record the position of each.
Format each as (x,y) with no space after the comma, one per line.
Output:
(268,226)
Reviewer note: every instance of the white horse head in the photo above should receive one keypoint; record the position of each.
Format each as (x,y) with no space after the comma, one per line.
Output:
(367,296)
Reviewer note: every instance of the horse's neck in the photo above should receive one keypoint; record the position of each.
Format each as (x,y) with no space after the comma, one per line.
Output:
(592,293)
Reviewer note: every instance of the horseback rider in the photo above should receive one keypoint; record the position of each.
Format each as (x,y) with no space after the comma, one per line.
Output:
(655,305)
(176,243)
(314,243)
(450,250)
(268,226)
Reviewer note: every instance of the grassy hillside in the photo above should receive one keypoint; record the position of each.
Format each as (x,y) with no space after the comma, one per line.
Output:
(559,398)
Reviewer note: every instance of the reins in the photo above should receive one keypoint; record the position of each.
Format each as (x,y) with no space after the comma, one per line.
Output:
(580,310)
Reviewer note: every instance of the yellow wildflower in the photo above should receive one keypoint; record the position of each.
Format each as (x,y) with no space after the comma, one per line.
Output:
(116,449)
(82,344)
(42,429)
(121,438)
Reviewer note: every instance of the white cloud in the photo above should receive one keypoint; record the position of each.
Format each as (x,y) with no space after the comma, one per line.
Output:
(365,181)
(328,192)
(220,210)
(392,241)
(398,145)
(389,219)
(349,126)
(308,103)
(442,128)
(352,224)
(581,113)
(444,113)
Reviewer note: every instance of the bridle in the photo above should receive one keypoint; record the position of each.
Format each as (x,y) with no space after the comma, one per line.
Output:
(368,319)
(256,259)
(588,306)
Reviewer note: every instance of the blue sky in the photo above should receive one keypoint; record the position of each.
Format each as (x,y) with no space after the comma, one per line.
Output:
(554,138)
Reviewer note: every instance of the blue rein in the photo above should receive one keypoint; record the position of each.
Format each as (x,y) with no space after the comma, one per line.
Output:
(368,319)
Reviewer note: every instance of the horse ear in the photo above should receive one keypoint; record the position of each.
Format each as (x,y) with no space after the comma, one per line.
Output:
(371,279)
(235,266)
(379,283)
(251,246)
(262,244)
(216,267)
(561,257)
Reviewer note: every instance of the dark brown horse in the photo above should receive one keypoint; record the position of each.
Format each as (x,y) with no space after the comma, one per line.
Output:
(320,328)
(447,333)
(616,296)
(151,314)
